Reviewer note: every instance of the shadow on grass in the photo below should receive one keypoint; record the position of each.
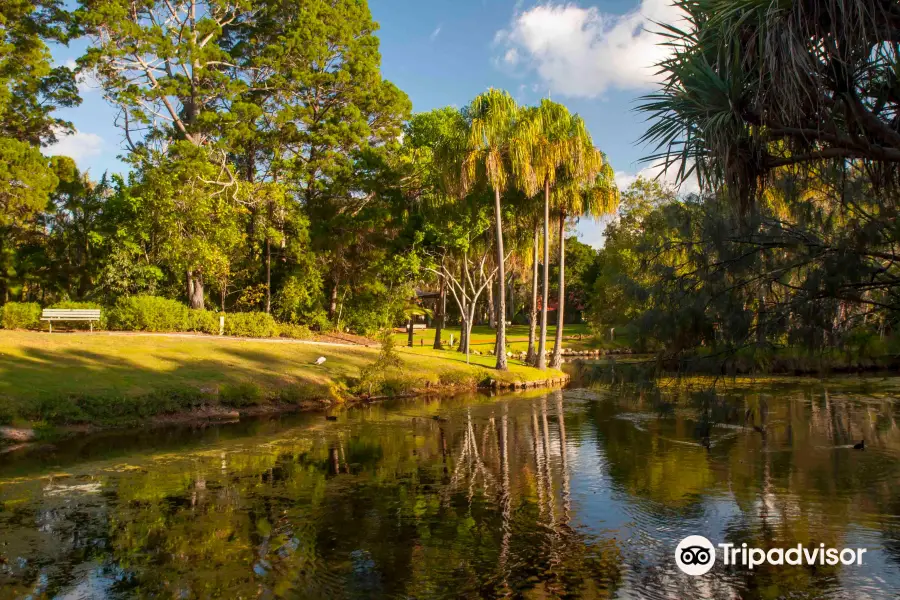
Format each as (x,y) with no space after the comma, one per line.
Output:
(72,385)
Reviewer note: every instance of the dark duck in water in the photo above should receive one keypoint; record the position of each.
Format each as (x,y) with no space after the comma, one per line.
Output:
(860,446)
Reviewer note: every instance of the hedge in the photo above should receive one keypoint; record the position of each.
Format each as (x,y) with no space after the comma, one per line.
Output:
(159,315)
(252,324)
(148,313)
(21,315)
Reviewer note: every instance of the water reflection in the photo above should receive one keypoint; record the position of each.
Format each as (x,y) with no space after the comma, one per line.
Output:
(568,494)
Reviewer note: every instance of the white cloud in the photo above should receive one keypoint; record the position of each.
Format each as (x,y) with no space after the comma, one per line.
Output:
(86,82)
(435,33)
(78,146)
(625,178)
(582,52)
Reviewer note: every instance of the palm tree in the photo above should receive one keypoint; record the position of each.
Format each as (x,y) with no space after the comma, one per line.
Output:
(493,154)
(558,146)
(588,191)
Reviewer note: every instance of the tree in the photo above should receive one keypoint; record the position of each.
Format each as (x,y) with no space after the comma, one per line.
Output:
(493,153)
(755,86)
(557,145)
(195,217)
(31,89)
(26,182)
(595,197)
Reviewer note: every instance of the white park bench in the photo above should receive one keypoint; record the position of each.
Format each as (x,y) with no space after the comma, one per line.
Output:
(70,314)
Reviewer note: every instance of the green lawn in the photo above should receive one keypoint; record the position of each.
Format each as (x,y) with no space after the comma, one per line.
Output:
(38,370)
(516,335)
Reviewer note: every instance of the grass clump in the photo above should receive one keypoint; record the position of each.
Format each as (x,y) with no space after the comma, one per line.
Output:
(240,395)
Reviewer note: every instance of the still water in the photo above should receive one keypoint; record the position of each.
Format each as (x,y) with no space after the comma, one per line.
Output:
(577,493)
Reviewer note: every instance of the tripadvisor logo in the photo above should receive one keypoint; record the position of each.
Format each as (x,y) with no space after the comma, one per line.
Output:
(696,555)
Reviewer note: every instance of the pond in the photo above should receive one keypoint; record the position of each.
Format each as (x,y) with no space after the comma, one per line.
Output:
(574,493)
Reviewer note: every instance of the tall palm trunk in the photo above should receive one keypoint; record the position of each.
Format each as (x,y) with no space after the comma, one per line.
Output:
(492,310)
(441,315)
(557,349)
(542,345)
(501,276)
(531,357)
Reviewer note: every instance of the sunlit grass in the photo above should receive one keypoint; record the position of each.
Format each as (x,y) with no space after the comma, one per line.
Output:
(35,367)
(516,335)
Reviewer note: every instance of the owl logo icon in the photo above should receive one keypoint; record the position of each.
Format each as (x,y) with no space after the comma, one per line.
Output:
(695,555)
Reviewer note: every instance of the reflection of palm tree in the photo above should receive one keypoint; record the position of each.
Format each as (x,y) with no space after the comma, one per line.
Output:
(551,500)
(563,451)
(538,459)
(505,498)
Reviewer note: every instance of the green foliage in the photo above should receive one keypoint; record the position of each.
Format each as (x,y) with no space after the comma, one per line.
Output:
(252,324)
(21,315)
(114,409)
(203,321)
(148,313)
(31,88)
(240,395)
(377,377)
(294,331)
(300,298)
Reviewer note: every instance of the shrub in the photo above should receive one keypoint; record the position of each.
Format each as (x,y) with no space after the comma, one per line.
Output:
(458,379)
(241,394)
(204,321)
(251,324)
(101,324)
(21,315)
(148,313)
(296,332)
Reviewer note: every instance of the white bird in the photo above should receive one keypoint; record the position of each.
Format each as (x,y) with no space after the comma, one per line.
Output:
(320,360)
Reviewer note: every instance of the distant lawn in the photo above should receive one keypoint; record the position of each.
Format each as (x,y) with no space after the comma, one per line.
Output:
(516,335)
(40,373)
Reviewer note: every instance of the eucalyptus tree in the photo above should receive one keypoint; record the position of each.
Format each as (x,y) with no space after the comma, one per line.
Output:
(494,155)
(162,64)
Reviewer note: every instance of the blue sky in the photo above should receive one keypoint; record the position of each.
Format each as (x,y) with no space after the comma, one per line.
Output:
(595,57)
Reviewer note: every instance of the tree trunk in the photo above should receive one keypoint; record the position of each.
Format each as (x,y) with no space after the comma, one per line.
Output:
(760,319)
(501,276)
(542,344)
(492,310)
(440,316)
(410,332)
(195,289)
(511,306)
(531,356)
(557,349)
(332,306)
(268,274)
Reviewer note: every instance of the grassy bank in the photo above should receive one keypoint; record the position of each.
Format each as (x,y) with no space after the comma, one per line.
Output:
(575,336)
(109,379)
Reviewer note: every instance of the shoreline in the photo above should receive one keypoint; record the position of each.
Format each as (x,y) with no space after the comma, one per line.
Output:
(16,438)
